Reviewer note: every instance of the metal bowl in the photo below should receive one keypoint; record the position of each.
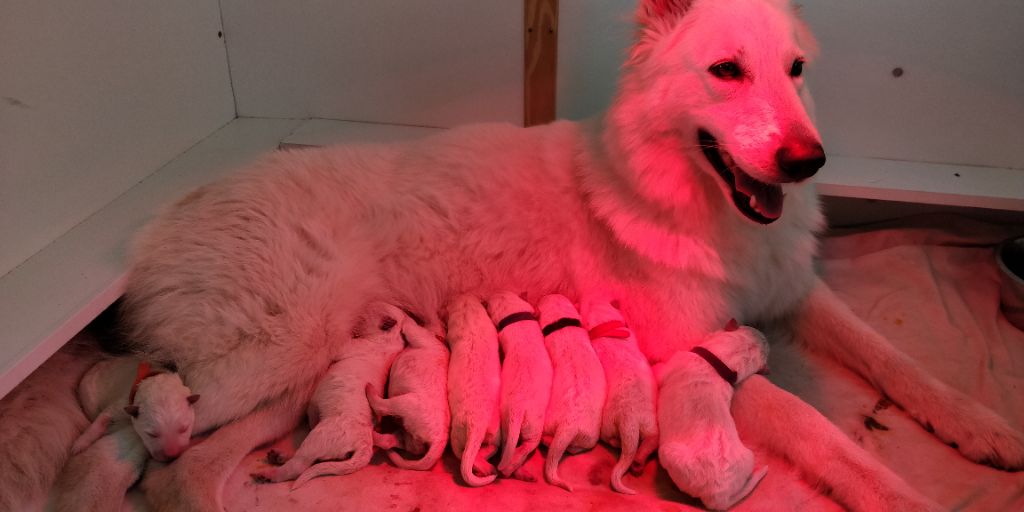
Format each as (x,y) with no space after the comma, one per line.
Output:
(1010,259)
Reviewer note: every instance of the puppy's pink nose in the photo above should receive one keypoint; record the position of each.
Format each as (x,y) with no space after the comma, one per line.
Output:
(800,158)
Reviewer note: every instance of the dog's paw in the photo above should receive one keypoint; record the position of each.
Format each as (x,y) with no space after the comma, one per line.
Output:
(980,435)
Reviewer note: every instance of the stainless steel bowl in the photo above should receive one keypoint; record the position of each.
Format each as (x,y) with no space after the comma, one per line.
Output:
(1010,259)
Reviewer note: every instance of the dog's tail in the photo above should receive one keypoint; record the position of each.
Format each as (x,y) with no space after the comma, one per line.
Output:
(629,436)
(424,463)
(563,437)
(359,459)
(469,453)
(513,426)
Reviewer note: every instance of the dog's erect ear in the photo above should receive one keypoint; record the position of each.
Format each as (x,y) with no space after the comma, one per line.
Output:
(653,11)
(132,410)
(192,399)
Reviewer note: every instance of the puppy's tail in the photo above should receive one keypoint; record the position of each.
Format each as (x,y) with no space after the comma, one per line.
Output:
(513,426)
(560,442)
(359,459)
(469,453)
(424,463)
(629,435)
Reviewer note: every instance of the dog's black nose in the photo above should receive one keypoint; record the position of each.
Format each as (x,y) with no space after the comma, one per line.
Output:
(799,161)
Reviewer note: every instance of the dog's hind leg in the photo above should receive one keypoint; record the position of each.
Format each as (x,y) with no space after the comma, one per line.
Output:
(825,324)
(779,421)
(193,483)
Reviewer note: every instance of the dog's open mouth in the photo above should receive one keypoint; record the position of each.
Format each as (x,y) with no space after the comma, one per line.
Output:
(758,201)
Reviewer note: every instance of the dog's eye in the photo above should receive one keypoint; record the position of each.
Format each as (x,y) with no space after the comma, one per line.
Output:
(726,70)
(797,69)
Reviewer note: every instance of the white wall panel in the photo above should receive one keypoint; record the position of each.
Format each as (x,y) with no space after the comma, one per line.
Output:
(94,96)
(432,63)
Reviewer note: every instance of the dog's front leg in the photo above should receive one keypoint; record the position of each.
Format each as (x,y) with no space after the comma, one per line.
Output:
(775,419)
(828,326)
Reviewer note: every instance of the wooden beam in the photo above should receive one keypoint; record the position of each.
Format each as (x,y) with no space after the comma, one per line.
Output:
(541,61)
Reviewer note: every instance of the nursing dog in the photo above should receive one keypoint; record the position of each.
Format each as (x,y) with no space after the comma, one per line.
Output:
(689,201)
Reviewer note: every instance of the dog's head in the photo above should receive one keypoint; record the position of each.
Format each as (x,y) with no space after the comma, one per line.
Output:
(718,85)
(163,415)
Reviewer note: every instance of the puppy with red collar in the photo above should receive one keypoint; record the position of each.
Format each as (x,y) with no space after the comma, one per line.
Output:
(418,396)
(573,421)
(474,383)
(339,412)
(700,447)
(154,398)
(628,420)
(525,378)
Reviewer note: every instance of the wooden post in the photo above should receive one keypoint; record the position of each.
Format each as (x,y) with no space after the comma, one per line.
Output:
(541,61)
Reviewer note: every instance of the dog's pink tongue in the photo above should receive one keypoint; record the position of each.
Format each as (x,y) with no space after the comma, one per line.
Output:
(765,198)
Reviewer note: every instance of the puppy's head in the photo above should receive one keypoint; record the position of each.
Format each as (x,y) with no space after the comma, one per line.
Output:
(163,416)
(718,85)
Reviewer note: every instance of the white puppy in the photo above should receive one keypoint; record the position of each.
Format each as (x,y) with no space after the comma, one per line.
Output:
(700,447)
(473,387)
(525,378)
(158,404)
(418,396)
(573,420)
(629,420)
(341,441)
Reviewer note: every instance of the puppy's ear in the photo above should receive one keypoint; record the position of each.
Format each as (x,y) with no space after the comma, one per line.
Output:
(192,399)
(132,410)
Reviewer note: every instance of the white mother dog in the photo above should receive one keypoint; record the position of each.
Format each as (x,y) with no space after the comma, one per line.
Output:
(687,201)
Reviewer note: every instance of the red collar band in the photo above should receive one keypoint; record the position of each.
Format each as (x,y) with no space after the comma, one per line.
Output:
(610,329)
(144,372)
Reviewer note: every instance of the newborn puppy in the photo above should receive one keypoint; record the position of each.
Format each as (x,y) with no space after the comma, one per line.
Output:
(525,378)
(700,448)
(473,387)
(341,441)
(418,396)
(628,419)
(573,419)
(157,402)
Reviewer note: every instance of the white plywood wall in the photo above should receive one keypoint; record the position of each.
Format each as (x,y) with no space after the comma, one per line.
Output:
(427,62)
(94,96)
(960,99)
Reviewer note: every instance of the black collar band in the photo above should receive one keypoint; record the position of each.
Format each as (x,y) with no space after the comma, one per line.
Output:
(723,370)
(522,316)
(561,323)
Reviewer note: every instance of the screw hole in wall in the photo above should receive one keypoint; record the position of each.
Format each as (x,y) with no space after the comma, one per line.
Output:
(897,72)
(220,34)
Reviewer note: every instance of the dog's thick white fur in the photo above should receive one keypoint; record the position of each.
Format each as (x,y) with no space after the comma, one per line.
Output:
(341,441)
(701,449)
(628,420)
(573,420)
(525,379)
(418,396)
(161,414)
(248,283)
(474,387)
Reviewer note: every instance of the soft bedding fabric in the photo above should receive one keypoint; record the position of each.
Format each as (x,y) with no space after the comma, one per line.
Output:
(930,285)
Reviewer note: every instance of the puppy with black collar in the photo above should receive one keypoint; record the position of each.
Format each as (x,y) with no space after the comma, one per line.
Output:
(573,421)
(418,396)
(628,420)
(342,435)
(474,383)
(700,447)
(525,378)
